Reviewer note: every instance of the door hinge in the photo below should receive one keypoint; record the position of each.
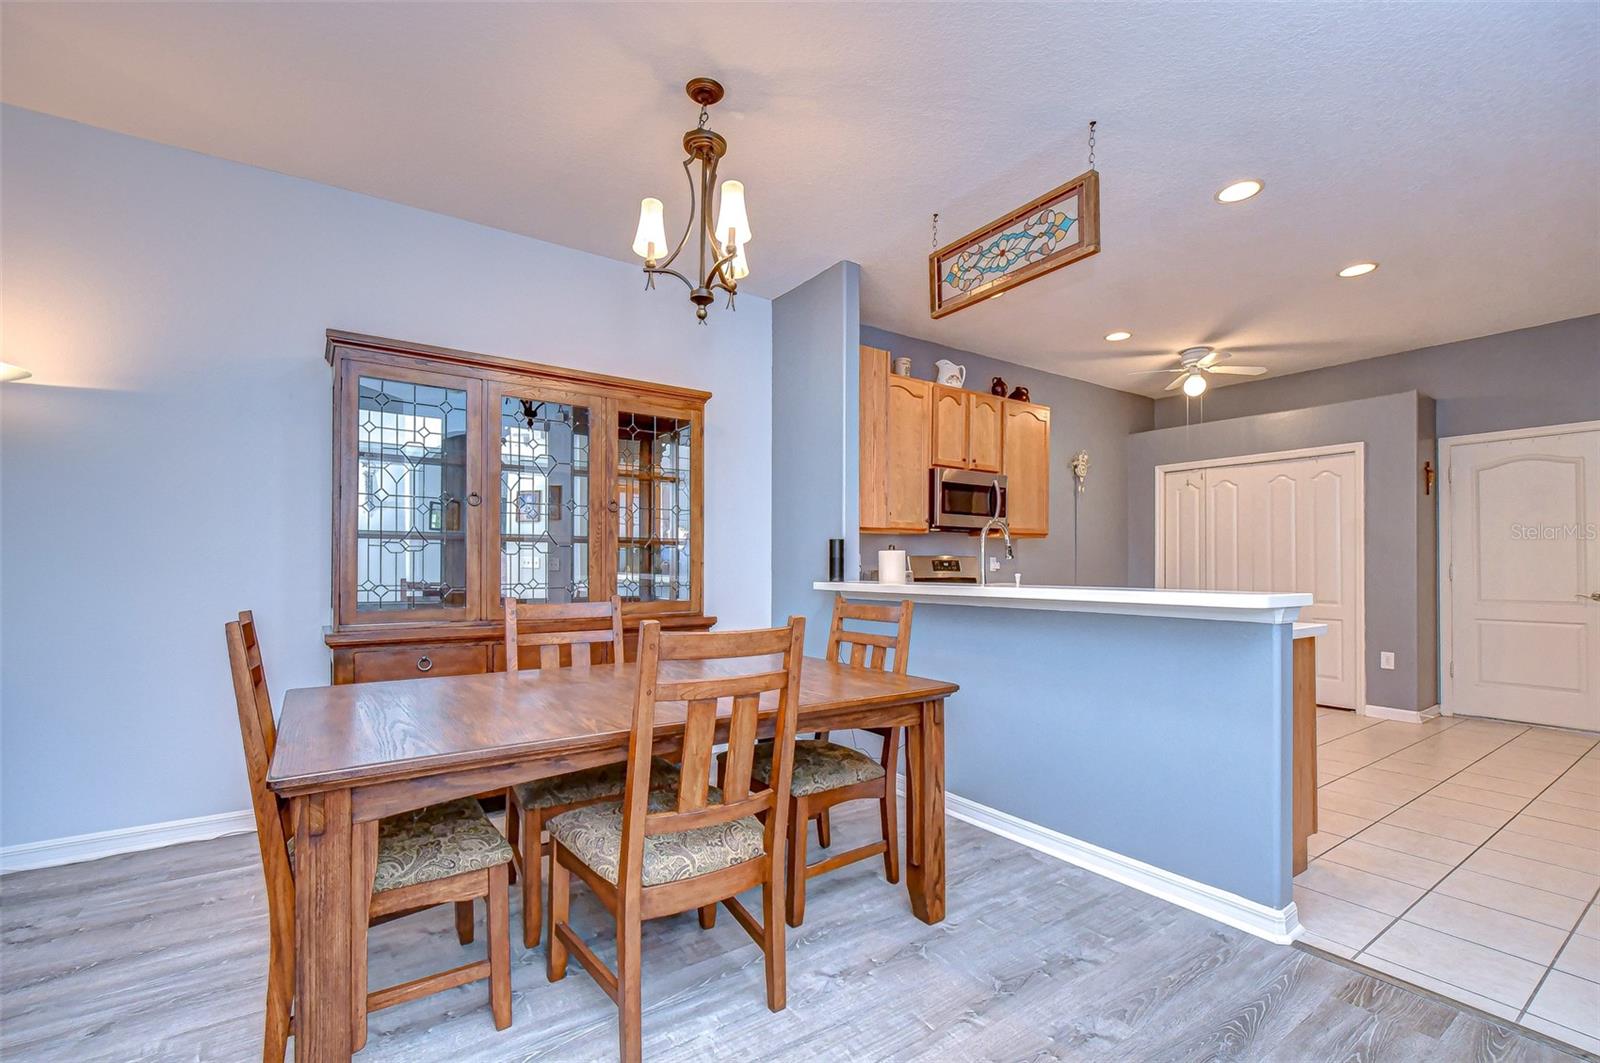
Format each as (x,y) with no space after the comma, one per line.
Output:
(1452,669)
(1450,572)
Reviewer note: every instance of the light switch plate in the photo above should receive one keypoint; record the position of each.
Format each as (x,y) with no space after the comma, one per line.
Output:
(1386,660)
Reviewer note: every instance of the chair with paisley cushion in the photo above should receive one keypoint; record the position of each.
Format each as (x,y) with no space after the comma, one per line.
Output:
(657,853)
(587,634)
(416,860)
(828,773)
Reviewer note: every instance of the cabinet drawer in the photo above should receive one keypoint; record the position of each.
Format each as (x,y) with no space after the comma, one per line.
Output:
(412,662)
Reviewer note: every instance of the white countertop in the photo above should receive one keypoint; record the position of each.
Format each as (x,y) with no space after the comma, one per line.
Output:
(1305,630)
(1246,606)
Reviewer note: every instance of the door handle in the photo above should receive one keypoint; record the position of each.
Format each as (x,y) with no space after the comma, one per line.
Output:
(1595,597)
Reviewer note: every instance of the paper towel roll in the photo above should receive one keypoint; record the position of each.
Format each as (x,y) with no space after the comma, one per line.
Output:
(891,566)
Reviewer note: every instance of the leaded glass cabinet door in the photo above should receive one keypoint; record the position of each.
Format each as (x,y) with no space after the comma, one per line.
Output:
(539,462)
(410,504)
(656,503)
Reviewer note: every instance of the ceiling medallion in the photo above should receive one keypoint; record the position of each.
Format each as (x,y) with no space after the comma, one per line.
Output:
(722,258)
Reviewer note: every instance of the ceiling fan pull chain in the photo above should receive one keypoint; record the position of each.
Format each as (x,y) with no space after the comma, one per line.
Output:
(1091,143)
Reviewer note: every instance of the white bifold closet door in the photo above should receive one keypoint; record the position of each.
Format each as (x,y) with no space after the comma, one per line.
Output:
(1275,525)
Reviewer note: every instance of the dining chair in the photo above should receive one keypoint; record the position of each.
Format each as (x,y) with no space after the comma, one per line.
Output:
(658,853)
(573,627)
(829,773)
(444,853)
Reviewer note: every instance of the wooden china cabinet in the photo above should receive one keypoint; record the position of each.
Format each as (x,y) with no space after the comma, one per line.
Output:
(460,480)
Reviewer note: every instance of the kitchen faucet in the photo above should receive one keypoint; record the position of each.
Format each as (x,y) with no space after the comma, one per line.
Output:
(983,547)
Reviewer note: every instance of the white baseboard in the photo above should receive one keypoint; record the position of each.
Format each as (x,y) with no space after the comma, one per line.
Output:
(1278,925)
(1384,712)
(53,852)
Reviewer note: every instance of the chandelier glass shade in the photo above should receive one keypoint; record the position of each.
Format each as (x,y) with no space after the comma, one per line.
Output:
(721,247)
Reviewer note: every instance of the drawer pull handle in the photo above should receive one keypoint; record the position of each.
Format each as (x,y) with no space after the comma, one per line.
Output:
(424,664)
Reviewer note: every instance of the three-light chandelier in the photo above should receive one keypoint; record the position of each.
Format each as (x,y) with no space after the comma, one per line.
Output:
(722,258)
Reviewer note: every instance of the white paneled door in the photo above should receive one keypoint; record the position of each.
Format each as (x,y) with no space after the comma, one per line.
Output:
(1288,524)
(1523,528)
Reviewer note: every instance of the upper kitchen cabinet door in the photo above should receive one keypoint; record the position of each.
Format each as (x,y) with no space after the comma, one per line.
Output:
(1026,448)
(909,454)
(983,432)
(949,427)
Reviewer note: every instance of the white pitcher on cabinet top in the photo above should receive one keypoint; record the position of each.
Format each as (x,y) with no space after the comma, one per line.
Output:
(949,373)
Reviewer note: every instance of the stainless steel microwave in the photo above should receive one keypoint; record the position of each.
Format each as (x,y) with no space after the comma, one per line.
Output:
(963,499)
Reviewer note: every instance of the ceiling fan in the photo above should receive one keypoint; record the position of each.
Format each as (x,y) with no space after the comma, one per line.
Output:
(1194,365)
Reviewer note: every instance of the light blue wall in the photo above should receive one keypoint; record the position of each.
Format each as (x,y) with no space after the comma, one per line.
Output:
(1164,740)
(169,465)
(815,380)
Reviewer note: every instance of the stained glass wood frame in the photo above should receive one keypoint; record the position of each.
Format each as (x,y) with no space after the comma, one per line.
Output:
(488,382)
(1054,230)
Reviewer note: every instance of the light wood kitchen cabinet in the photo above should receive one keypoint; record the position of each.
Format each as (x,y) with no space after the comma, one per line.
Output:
(949,427)
(909,426)
(896,447)
(966,429)
(983,431)
(1025,452)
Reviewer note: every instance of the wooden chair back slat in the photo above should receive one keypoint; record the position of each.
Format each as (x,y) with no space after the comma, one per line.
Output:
(880,643)
(713,645)
(732,686)
(883,614)
(699,732)
(580,642)
(743,692)
(740,764)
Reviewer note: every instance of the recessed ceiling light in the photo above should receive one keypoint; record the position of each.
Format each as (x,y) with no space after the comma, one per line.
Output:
(1119,336)
(1239,191)
(1360,269)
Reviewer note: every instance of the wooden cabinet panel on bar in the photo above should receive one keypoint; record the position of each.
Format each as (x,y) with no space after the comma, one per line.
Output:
(461,479)
(1025,452)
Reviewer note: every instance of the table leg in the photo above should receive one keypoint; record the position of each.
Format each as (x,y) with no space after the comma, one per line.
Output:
(925,879)
(322,874)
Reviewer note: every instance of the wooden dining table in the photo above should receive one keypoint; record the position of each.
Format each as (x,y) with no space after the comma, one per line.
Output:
(349,755)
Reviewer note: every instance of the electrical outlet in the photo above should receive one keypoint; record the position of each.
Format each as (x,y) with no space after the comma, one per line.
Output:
(994,564)
(1386,660)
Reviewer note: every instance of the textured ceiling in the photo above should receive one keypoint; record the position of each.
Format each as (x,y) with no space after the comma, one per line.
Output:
(1457,144)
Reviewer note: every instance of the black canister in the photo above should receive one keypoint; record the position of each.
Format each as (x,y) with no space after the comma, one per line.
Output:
(836,560)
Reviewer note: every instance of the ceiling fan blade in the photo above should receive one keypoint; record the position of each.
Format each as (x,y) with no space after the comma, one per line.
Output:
(1149,372)
(1177,382)
(1237,370)
(1212,359)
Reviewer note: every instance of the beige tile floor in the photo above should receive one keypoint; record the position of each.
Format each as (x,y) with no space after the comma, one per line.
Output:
(1462,856)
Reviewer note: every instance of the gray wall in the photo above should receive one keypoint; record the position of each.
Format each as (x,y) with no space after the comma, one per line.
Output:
(1082,417)
(815,378)
(168,465)
(1534,376)
(1400,524)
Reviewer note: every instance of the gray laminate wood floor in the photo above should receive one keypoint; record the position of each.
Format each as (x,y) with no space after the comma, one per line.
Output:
(160,955)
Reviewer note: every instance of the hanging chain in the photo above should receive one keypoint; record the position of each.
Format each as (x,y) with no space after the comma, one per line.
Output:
(1091,144)
(705,116)
(934,236)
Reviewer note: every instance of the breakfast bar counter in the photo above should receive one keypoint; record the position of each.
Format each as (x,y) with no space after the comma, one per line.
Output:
(1162,737)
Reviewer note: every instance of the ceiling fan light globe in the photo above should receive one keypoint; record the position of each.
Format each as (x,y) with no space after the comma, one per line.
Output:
(1194,385)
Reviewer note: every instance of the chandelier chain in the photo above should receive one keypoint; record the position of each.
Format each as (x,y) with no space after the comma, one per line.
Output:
(1091,144)
(934,237)
(705,116)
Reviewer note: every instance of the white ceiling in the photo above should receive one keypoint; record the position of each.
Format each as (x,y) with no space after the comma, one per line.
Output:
(1457,144)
